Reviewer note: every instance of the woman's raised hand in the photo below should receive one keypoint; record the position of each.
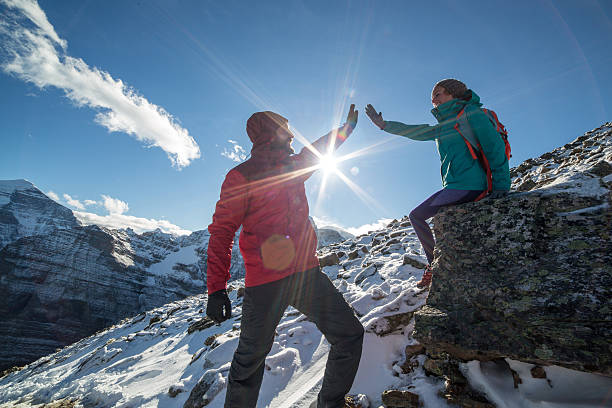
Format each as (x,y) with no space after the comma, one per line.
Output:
(375,117)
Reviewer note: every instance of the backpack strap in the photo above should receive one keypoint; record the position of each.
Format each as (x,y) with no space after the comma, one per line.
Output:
(465,130)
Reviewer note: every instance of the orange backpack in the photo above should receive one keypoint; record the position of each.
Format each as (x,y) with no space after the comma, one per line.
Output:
(465,130)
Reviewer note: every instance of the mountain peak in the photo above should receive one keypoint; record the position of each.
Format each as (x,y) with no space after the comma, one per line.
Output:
(8,186)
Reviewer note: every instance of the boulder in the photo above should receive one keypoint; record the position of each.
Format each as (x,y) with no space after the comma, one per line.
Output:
(529,276)
(397,399)
(329,259)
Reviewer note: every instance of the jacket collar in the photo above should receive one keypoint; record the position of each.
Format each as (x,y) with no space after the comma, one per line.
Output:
(269,154)
(452,108)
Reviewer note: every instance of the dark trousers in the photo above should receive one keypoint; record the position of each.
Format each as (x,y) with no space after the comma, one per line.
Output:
(312,293)
(429,208)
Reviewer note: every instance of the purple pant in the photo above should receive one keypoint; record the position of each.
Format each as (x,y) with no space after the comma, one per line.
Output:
(429,208)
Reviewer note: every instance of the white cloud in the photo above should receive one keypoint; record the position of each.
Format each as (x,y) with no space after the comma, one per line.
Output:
(32,11)
(35,58)
(73,202)
(114,205)
(90,202)
(53,196)
(139,225)
(325,222)
(237,154)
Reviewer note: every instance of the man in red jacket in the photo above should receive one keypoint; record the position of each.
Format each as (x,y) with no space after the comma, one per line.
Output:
(266,195)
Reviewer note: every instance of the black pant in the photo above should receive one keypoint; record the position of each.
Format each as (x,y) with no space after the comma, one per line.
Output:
(313,294)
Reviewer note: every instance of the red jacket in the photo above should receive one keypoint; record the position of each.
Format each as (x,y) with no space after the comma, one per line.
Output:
(266,195)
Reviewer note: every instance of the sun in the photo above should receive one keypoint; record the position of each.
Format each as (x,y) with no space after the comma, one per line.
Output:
(327,163)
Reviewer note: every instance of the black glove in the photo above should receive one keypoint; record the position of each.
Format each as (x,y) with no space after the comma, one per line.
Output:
(218,301)
(495,194)
(375,117)
(351,118)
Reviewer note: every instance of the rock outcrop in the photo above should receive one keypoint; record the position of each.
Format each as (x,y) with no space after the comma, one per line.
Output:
(529,276)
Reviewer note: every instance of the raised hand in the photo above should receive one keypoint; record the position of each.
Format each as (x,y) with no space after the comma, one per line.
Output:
(351,118)
(375,117)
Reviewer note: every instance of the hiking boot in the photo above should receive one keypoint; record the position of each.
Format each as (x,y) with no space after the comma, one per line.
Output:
(426,279)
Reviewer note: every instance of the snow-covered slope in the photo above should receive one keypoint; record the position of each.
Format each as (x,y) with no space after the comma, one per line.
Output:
(159,357)
(576,167)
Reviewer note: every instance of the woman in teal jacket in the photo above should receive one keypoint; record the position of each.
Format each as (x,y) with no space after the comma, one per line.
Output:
(463,177)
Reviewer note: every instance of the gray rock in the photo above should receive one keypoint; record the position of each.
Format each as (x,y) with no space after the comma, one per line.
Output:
(329,260)
(365,273)
(205,390)
(408,260)
(397,399)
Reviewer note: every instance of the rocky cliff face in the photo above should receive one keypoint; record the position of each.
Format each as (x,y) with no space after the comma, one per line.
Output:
(62,281)
(25,211)
(529,276)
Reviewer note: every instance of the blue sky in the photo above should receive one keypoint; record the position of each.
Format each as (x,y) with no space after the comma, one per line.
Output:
(127,111)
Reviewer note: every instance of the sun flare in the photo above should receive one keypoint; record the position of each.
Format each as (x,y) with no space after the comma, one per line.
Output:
(327,163)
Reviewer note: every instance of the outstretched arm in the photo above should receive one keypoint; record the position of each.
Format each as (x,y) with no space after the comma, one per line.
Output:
(414,132)
(330,141)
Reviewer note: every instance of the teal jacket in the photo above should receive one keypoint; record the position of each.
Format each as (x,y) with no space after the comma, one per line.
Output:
(459,169)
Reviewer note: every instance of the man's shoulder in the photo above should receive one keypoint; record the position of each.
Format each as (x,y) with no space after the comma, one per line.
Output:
(247,169)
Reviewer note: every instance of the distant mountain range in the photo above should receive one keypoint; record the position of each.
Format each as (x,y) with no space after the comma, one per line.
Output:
(62,280)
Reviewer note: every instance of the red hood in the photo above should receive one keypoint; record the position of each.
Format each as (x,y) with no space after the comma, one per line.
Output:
(261,127)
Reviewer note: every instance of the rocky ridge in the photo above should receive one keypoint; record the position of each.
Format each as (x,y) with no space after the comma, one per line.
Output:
(174,356)
(376,272)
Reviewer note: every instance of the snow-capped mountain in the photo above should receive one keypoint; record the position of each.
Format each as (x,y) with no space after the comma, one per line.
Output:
(173,356)
(26,211)
(327,235)
(62,281)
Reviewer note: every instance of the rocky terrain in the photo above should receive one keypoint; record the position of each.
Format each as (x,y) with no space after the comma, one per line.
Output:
(518,314)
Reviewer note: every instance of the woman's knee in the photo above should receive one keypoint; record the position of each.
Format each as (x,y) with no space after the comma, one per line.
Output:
(414,216)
